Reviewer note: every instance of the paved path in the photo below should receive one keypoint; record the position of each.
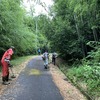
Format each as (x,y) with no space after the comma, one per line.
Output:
(34,83)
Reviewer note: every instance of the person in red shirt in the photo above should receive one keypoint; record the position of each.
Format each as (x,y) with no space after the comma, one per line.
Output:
(5,62)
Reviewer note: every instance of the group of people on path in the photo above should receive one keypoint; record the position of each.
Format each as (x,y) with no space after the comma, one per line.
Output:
(5,62)
(45,58)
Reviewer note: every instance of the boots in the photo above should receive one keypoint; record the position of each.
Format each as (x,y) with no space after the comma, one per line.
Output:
(8,79)
(45,66)
(5,82)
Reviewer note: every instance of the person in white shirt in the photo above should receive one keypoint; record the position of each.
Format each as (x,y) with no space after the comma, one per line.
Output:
(45,59)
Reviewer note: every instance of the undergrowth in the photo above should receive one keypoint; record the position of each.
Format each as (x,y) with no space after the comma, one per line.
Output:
(86,76)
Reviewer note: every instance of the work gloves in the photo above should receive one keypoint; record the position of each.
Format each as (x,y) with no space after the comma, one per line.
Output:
(10,65)
(8,61)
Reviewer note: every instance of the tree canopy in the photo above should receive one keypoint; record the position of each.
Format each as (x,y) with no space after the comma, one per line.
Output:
(72,25)
(18,29)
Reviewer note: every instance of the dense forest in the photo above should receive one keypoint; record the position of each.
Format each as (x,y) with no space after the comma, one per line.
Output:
(19,29)
(72,29)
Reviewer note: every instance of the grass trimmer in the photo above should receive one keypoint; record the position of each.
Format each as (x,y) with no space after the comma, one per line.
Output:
(12,76)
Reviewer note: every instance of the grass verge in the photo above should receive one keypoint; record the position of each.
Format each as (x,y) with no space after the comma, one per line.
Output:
(19,60)
(86,78)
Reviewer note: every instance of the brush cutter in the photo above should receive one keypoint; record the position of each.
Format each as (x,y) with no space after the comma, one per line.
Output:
(12,76)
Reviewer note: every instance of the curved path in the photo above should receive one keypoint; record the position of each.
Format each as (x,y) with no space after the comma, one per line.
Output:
(33,83)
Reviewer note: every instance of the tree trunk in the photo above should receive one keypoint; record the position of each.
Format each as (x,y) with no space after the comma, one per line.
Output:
(79,35)
(95,34)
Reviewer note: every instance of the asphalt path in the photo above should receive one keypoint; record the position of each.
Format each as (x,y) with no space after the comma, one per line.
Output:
(33,83)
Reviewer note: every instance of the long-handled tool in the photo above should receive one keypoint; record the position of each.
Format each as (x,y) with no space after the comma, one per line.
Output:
(13,76)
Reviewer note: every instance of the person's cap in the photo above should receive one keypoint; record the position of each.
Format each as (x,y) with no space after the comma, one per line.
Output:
(12,47)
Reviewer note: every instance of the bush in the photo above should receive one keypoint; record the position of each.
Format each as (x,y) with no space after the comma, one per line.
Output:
(88,74)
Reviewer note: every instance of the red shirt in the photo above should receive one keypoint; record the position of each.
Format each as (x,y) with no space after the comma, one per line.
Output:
(7,54)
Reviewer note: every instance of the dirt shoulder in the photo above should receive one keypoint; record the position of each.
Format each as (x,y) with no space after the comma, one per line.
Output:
(68,91)
(16,71)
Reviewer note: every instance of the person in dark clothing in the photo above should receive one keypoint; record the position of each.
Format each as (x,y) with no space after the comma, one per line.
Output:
(39,51)
(54,55)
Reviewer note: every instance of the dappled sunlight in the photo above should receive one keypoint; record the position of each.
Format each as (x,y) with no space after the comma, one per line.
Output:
(34,72)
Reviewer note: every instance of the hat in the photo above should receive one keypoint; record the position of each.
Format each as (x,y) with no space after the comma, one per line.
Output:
(12,47)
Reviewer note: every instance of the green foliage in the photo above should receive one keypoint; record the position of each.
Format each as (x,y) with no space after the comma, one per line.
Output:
(80,20)
(87,74)
(94,44)
(90,75)
(94,55)
(20,60)
(18,30)
(37,26)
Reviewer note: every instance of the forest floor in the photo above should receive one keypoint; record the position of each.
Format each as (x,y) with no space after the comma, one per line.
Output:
(68,91)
